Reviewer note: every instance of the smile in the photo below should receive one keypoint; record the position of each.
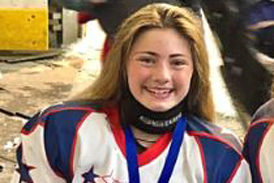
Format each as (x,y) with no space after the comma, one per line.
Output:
(159,92)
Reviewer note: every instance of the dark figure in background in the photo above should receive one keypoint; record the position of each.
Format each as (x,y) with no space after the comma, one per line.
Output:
(247,80)
(260,22)
(109,13)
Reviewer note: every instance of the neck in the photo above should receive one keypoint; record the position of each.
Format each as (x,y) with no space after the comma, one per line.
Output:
(143,138)
(148,121)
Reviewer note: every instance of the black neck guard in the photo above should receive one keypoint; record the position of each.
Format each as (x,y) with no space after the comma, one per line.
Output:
(136,114)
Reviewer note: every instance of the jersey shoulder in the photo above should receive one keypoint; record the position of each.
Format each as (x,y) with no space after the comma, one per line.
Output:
(206,130)
(265,111)
(66,113)
(218,147)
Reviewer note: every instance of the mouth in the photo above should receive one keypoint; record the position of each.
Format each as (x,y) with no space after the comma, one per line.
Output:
(159,93)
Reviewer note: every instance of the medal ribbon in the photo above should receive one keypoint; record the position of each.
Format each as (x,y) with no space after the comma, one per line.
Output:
(131,153)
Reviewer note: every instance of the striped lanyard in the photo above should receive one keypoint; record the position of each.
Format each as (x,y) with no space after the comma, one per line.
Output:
(131,153)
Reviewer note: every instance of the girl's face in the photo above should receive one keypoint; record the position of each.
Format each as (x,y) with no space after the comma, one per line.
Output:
(159,69)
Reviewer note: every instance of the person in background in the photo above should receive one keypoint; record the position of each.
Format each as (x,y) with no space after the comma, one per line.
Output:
(109,13)
(84,17)
(260,23)
(258,146)
(148,117)
(241,71)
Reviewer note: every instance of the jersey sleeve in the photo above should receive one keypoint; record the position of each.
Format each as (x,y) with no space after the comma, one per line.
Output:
(242,173)
(259,150)
(47,150)
(258,145)
(34,163)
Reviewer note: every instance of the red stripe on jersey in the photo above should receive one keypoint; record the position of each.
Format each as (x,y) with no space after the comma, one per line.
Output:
(147,156)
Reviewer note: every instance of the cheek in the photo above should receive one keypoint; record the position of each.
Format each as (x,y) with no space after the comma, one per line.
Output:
(132,79)
(184,82)
(130,82)
(136,75)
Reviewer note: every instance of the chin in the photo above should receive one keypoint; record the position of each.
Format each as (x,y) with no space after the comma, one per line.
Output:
(162,108)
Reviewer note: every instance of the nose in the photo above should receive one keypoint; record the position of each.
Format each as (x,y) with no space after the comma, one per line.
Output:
(162,73)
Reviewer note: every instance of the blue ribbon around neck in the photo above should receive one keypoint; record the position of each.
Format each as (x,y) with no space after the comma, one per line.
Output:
(131,153)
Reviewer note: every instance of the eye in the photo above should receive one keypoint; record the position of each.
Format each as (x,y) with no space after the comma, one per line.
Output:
(178,63)
(147,61)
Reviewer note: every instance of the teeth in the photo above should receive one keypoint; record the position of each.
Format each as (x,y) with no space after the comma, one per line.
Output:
(159,89)
(159,92)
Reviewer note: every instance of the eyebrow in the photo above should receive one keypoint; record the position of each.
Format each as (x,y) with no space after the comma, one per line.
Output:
(146,52)
(155,54)
(178,55)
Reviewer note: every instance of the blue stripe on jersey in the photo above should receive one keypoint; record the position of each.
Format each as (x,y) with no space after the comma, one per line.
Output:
(60,131)
(220,159)
(23,169)
(35,119)
(251,148)
(93,105)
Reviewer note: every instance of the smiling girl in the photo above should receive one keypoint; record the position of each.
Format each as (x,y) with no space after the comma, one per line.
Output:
(147,118)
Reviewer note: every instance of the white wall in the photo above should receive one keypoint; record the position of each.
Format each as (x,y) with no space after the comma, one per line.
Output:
(222,99)
(23,3)
(70,26)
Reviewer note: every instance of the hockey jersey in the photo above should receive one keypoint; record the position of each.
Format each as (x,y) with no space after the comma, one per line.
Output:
(84,143)
(259,145)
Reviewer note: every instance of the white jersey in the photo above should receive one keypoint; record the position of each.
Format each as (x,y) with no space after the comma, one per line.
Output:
(83,144)
(259,144)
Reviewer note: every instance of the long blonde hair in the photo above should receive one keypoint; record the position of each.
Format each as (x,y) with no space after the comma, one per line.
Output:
(108,86)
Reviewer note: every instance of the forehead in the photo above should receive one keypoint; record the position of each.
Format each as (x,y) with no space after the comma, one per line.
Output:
(158,40)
